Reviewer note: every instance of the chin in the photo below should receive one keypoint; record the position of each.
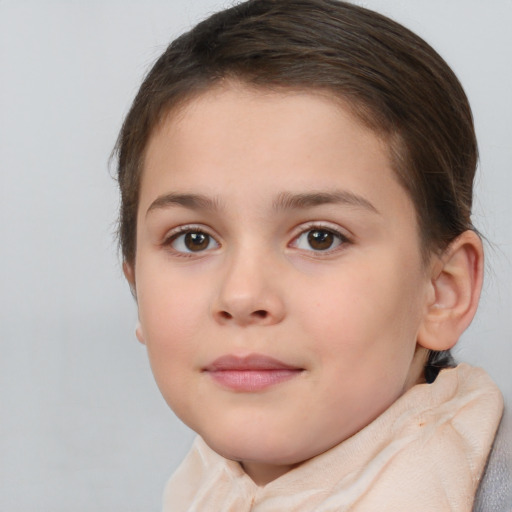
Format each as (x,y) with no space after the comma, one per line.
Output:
(254,447)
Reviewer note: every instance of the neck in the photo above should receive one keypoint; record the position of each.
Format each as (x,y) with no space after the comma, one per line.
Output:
(416,373)
(262,474)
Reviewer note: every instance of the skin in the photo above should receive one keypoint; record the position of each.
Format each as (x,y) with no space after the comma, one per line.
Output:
(346,317)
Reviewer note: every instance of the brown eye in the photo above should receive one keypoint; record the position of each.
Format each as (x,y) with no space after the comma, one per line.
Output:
(196,241)
(193,241)
(320,239)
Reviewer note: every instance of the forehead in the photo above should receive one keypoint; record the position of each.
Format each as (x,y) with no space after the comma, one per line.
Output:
(239,141)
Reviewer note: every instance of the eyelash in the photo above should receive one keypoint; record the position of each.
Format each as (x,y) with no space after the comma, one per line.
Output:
(172,237)
(304,230)
(343,239)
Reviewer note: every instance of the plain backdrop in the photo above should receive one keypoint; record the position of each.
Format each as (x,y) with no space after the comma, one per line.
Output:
(82,424)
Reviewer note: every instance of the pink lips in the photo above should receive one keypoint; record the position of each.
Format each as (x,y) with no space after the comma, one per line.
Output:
(252,373)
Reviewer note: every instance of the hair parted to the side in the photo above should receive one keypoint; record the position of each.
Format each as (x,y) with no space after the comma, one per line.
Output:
(393,81)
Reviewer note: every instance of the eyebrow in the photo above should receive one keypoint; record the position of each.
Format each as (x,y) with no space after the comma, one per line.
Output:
(286,200)
(191,201)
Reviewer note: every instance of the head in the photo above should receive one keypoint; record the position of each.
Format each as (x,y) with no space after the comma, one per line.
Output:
(355,77)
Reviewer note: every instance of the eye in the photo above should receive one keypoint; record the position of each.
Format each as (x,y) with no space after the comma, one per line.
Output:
(192,241)
(319,239)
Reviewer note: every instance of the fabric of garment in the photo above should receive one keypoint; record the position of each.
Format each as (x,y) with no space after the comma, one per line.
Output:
(495,491)
(426,452)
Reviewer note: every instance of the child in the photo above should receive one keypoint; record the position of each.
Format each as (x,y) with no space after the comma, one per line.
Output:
(296,181)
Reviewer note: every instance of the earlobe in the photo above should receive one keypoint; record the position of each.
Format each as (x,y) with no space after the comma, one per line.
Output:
(456,282)
(139,333)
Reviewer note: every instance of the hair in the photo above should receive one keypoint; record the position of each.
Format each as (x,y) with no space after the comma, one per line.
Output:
(392,80)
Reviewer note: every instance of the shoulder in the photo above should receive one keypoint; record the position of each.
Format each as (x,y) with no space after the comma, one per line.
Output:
(495,491)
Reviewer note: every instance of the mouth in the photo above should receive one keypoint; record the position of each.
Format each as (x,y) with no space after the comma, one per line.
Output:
(253,373)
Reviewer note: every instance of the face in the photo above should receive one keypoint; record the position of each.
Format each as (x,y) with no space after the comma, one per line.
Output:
(278,274)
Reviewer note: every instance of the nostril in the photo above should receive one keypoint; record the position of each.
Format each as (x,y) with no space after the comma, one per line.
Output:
(259,314)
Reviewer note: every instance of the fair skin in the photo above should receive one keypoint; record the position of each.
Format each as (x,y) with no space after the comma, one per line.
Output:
(281,290)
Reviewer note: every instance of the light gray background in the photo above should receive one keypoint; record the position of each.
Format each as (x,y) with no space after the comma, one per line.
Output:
(82,425)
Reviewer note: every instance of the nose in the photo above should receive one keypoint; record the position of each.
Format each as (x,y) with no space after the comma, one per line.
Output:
(249,293)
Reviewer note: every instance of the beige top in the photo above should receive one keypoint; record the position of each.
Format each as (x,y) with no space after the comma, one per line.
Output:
(426,452)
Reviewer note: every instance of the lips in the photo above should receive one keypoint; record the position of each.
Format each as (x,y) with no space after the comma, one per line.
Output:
(253,373)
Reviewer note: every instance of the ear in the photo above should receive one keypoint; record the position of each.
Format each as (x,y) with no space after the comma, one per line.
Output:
(129,273)
(139,333)
(456,282)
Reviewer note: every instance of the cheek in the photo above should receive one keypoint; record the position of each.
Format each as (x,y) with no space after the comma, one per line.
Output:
(371,313)
(169,300)
(171,312)
(168,313)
